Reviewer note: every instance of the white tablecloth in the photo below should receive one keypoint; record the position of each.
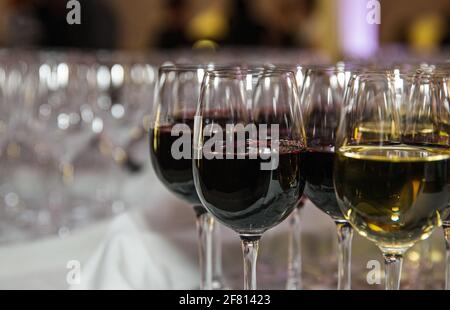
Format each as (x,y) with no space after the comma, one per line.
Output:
(152,245)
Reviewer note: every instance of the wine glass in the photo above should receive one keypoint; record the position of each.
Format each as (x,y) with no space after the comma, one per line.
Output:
(171,129)
(65,120)
(247,157)
(442,78)
(392,169)
(321,101)
(294,275)
(125,89)
(25,209)
(421,275)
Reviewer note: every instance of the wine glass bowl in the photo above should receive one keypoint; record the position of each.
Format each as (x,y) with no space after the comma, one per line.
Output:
(321,99)
(236,188)
(175,108)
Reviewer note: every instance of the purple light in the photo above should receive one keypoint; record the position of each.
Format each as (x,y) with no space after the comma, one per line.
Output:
(357,37)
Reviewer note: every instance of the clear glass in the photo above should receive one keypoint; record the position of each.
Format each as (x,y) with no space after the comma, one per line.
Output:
(247,143)
(321,101)
(64,117)
(345,236)
(250,246)
(218,279)
(173,113)
(393,266)
(125,88)
(387,149)
(205,227)
(51,133)
(294,276)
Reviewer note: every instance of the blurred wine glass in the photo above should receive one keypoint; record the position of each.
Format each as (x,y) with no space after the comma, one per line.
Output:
(56,174)
(294,276)
(125,87)
(173,119)
(322,99)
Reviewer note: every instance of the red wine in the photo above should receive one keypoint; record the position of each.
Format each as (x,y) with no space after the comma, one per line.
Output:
(175,174)
(246,198)
(321,122)
(317,170)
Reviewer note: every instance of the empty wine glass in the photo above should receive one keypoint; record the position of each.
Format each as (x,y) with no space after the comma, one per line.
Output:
(65,120)
(24,197)
(125,86)
(53,162)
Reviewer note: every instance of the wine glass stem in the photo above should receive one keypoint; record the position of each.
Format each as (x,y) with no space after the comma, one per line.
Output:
(205,226)
(446,227)
(393,269)
(345,236)
(250,245)
(217,277)
(294,255)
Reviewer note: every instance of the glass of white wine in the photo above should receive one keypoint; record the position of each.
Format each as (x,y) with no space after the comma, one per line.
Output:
(392,167)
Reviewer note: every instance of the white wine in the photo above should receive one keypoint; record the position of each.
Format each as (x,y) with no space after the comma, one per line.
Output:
(393,195)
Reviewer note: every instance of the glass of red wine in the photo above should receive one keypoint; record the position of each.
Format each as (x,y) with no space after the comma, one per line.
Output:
(321,101)
(294,272)
(171,155)
(247,154)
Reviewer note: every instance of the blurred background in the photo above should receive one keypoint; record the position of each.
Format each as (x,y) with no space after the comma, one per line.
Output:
(74,111)
(337,28)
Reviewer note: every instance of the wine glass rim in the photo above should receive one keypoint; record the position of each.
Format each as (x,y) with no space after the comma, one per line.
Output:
(419,73)
(260,70)
(184,67)
(275,72)
(180,67)
(288,66)
(254,72)
(326,67)
(339,67)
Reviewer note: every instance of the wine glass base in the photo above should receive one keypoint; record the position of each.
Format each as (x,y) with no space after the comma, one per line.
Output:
(218,285)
